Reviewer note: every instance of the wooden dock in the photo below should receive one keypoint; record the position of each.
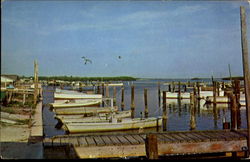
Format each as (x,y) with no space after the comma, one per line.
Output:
(168,143)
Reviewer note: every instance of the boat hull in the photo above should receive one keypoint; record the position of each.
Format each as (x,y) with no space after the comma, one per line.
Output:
(100,127)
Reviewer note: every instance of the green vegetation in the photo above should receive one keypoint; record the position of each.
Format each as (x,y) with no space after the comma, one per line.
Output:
(75,78)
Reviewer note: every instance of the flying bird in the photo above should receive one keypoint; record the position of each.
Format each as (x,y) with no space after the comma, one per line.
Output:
(86,60)
(119,57)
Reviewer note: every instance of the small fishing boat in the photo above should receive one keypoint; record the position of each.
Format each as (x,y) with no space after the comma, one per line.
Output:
(219,99)
(114,84)
(64,96)
(114,125)
(175,95)
(102,117)
(84,110)
(74,103)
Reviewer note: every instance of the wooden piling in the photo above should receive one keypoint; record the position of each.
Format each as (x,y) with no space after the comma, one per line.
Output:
(146,103)
(192,117)
(159,94)
(35,82)
(214,92)
(198,90)
(122,99)
(179,90)
(132,101)
(245,68)
(237,97)
(114,96)
(151,146)
(164,111)
(233,111)
(103,94)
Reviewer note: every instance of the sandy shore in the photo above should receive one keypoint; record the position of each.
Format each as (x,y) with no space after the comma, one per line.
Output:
(14,133)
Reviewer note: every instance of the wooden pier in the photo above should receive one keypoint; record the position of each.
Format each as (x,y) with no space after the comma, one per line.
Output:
(168,143)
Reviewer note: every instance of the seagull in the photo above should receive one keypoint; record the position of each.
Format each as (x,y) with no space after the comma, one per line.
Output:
(86,60)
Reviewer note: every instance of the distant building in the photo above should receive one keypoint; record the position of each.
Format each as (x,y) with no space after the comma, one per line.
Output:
(6,81)
(13,77)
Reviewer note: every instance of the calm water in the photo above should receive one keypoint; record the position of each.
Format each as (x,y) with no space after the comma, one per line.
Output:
(207,118)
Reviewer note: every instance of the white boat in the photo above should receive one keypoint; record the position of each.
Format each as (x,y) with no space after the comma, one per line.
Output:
(84,110)
(103,117)
(204,94)
(223,99)
(114,84)
(63,96)
(175,95)
(78,103)
(115,125)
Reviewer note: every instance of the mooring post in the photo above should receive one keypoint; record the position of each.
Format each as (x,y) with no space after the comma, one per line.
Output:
(237,96)
(146,103)
(102,94)
(198,90)
(114,96)
(173,86)
(159,94)
(245,68)
(218,88)
(122,99)
(164,111)
(192,117)
(233,111)
(35,82)
(132,101)
(179,90)
(214,92)
(151,146)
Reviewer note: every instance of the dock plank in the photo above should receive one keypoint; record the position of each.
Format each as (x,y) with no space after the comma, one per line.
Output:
(99,141)
(139,138)
(82,141)
(199,136)
(131,139)
(73,141)
(123,140)
(90,141)
(115,140)
(107,140)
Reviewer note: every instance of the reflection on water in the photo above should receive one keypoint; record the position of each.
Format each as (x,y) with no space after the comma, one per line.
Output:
(180,115)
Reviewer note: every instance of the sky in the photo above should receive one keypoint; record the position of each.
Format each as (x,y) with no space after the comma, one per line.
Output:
(146,39)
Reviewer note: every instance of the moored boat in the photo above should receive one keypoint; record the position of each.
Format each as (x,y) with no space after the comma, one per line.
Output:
(73,103)
(84,110)
(63,96)
(116,124)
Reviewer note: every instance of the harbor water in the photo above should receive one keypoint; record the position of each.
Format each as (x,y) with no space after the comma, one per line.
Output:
(178,113)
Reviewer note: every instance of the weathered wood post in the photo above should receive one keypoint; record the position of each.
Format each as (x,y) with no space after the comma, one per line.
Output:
(218,88)
(164,111)
(237,96)
(107,95)
(192,117)
(98,89)
(132,101)
(198,90)
(179,90)
(245,68)
(214,92)
(233,111)
(122,99)
(114,96)
(173,86)
(146,103)
(159,94)
(151,146)
(102,94)
(35,82)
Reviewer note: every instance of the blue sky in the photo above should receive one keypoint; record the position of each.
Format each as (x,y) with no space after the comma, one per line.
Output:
(155,39)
